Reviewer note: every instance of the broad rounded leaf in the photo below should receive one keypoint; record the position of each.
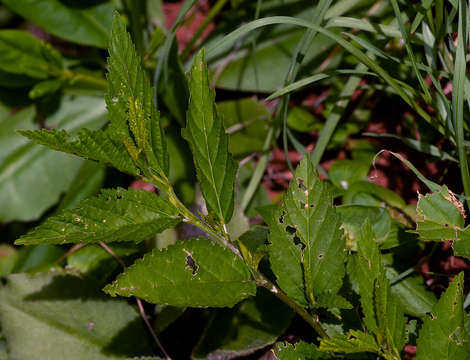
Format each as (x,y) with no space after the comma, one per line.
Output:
(84,25)
(57,317)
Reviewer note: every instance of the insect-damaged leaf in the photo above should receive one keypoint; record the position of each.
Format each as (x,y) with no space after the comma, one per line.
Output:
(442,218)
(301,350)
(307,228)
(209,143)
(194,273)
(443,336)
(115,215)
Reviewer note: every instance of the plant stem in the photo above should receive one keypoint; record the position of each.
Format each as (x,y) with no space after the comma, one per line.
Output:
(224,240)
(212,14)
(311,320)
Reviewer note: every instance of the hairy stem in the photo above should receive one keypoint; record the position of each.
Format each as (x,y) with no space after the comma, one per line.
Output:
(224,239)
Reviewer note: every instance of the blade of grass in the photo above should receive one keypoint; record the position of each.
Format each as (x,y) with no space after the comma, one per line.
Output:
(458,94)
(335,115)
(313,79)
(373,65)
(417,145)
(281,118)
(409,50)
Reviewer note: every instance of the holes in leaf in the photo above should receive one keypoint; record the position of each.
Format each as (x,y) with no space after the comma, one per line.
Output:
(281,218)
(321,256)
(301,184)
(297,242)
(191,264)
(290,229)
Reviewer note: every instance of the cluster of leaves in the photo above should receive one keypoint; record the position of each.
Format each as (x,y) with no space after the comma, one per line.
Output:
(346,270)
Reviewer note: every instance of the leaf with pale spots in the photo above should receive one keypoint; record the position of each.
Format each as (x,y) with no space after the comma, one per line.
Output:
(194,273)
(114,215)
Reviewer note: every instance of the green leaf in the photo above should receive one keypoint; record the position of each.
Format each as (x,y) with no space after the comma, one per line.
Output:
(22,53)
(354,342)
(99,145)
(383,314)
(301,350)
(311,217)
(284,255)
(38,258)
(209,143)
(193,273)
(344,172)
(252,245)
(114,215)
(67,318)
(129,101)
(260,321)
(33,177)
(443,335)
(441,217)
(8,259)
(88,25)
(247,122)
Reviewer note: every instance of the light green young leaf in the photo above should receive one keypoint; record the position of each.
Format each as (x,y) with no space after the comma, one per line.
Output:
(115,215)
(301,350)
(131,109)
(443,336)
(194,273)
(67,318)
(209,143)
(22,53)
(84,25)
